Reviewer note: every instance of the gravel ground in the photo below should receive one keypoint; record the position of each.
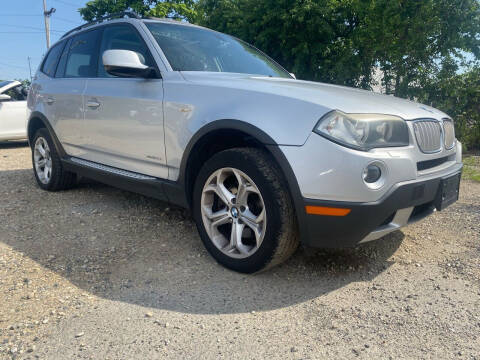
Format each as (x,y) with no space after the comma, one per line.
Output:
(99,273)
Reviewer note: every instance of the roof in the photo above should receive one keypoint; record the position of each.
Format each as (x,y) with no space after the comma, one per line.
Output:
(119,16)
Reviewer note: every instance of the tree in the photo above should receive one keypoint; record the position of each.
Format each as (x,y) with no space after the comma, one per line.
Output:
(311,38)
(176,9)
(344,42)
(25,82)
(459,96)
(412,40)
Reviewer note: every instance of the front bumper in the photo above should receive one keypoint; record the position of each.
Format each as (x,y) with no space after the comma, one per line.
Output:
(405,203)
(330,175)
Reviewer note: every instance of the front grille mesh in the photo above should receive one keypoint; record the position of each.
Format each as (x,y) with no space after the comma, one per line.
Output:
(449,133)
(428,134)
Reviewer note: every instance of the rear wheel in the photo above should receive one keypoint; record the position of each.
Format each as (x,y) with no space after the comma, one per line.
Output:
(47,166)
(243,210)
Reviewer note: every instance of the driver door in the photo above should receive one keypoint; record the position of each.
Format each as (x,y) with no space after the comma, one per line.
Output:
(124,116)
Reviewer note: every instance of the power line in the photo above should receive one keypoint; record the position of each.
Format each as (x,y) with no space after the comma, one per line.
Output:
(13,66)
(31,27)
(29,15)
(34,59)
(21,32)
(67,3)
(20,15)
(66,20)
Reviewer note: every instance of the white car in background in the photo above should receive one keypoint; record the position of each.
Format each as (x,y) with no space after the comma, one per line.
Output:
(13,110)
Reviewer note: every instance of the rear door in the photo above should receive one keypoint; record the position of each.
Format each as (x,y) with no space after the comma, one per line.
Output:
(78,62)
(45,84)
(124,116)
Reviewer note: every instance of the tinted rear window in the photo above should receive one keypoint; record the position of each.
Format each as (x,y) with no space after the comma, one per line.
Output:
(50,63)
(63,60)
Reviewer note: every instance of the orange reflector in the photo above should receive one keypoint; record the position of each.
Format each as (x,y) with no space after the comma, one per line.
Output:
(321,210)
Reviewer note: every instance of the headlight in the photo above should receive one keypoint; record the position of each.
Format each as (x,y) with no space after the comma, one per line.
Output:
(363,131)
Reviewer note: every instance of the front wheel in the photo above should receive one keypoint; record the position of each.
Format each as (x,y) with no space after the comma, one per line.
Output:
(243,210)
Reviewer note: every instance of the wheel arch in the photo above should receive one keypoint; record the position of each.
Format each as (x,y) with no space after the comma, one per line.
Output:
(217,136)
(37,121)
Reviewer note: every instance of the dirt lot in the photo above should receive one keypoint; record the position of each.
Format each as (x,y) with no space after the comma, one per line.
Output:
(99,273)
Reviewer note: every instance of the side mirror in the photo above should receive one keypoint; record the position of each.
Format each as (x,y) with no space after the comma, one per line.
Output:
(293,75)
(126,63)
(5,97)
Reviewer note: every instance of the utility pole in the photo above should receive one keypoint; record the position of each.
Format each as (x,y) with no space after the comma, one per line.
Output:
(47,15)
(30,68)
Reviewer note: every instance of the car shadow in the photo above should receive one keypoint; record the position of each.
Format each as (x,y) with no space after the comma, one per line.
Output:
(125,247)
(13,144)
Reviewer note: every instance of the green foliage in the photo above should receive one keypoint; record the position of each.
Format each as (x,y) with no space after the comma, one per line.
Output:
(176,9)
(344,42)
(471,169)
(311,38)
(459,96)
(25,82)
(411,39)
(98,8)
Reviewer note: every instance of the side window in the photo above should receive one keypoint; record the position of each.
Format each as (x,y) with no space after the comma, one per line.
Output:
(63,60)
(82,57)
(122,37)
(50,62)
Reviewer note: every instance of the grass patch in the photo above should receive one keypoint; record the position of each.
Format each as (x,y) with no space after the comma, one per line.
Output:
(471,168)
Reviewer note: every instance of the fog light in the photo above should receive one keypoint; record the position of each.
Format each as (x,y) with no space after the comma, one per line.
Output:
(372,174)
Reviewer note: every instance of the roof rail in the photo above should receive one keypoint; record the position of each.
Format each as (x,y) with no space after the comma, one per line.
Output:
(118,15)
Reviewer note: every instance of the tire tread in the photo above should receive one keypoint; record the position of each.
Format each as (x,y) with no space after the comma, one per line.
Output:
(288,234)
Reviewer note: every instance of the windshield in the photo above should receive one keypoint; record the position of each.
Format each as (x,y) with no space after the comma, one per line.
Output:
(3,83)
(189,48)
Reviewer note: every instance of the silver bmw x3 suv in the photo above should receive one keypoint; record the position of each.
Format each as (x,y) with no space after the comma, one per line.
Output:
(205,121)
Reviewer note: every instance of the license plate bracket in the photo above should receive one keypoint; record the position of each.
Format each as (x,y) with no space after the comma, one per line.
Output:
(448,191)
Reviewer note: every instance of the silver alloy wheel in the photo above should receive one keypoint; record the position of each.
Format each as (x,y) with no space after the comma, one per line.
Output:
(233,213)
(42,160)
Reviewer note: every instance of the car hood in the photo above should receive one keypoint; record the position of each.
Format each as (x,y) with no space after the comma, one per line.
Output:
(330,97)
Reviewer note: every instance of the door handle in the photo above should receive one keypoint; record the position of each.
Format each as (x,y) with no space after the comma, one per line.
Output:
(93,104)
(50,101)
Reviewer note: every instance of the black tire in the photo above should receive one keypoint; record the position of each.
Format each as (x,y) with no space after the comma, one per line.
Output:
(281,235)
(60,179)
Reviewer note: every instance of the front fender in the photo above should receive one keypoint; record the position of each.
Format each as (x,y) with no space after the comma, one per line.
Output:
(189,107)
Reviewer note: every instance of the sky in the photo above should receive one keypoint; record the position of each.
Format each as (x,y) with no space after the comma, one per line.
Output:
(22,32)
